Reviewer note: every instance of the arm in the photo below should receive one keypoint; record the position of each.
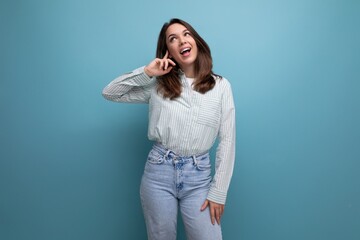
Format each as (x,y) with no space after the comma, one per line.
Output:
(225,152)
(136,86)
(131,87)
(225,157)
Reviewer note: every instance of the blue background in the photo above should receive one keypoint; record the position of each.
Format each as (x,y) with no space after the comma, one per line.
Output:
(71,162)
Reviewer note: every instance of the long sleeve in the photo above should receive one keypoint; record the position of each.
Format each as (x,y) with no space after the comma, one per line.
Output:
(134,87)
(225,152)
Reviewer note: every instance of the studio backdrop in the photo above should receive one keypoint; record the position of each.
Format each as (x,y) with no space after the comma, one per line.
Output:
(71,162)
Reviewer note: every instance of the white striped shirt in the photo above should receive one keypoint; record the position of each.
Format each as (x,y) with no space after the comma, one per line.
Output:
(189,124)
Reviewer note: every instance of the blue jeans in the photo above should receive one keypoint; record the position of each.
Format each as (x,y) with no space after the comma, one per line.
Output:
(171,181)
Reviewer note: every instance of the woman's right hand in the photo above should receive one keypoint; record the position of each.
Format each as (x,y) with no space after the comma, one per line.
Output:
(159,66)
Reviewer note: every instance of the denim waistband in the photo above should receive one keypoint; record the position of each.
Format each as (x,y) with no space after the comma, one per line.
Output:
(169,153)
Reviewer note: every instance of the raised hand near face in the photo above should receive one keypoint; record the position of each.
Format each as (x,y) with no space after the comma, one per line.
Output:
(159,66)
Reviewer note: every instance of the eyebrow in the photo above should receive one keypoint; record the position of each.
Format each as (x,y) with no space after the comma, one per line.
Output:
(174,34)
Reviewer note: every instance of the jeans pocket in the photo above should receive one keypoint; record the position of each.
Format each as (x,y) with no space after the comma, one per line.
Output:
(155,157)
(203,167)
(203,164)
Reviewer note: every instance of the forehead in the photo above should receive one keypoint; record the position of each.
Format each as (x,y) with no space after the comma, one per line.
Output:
(175,28)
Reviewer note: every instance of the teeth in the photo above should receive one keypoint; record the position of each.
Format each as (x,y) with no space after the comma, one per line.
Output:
(185,49)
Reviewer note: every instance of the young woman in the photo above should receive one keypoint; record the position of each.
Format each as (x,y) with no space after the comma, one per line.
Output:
(189,107)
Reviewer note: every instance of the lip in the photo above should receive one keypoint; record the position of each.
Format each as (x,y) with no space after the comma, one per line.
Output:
(183,48)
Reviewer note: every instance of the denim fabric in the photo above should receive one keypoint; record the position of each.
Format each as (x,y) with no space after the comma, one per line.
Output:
(171,182)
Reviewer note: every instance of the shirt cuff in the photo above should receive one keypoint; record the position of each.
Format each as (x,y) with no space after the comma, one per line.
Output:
(216,196)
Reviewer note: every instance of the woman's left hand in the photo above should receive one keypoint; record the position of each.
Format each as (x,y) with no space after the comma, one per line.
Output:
(216,210)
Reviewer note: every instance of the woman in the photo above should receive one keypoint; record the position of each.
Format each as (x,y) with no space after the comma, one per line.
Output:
(189,107)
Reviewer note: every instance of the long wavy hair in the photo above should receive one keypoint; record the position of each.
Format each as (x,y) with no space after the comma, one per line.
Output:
(169,85)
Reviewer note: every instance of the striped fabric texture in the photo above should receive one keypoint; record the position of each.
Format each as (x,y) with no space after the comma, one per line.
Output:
(187,125)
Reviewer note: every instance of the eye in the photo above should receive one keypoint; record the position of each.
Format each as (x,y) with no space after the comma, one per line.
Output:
(187,34)
(171,39)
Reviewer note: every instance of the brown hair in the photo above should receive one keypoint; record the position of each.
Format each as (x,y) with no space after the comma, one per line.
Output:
(169,85)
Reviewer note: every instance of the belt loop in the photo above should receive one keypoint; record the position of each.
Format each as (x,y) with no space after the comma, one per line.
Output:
(195,161)
(166,155)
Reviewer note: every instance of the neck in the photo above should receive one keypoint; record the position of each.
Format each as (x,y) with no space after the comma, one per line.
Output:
(189,71)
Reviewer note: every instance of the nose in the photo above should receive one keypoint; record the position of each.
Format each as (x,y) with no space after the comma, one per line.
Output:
(182,40)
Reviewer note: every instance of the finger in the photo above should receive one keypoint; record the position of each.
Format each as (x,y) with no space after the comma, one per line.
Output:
(166,71)
(205,204)
(212,215)
(166,55)
(221,211)
(157,61)
(217,215)
(172,62)
(161,66)
(166,64)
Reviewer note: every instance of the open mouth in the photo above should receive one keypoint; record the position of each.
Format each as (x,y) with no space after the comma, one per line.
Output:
(185,51)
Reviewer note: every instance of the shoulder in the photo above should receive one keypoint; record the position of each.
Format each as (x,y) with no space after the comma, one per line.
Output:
(222,82)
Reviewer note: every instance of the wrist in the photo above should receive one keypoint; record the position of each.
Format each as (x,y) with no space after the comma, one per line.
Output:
(146,71)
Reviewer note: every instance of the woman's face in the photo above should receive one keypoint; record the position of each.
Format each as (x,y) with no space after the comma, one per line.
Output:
(181,45)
